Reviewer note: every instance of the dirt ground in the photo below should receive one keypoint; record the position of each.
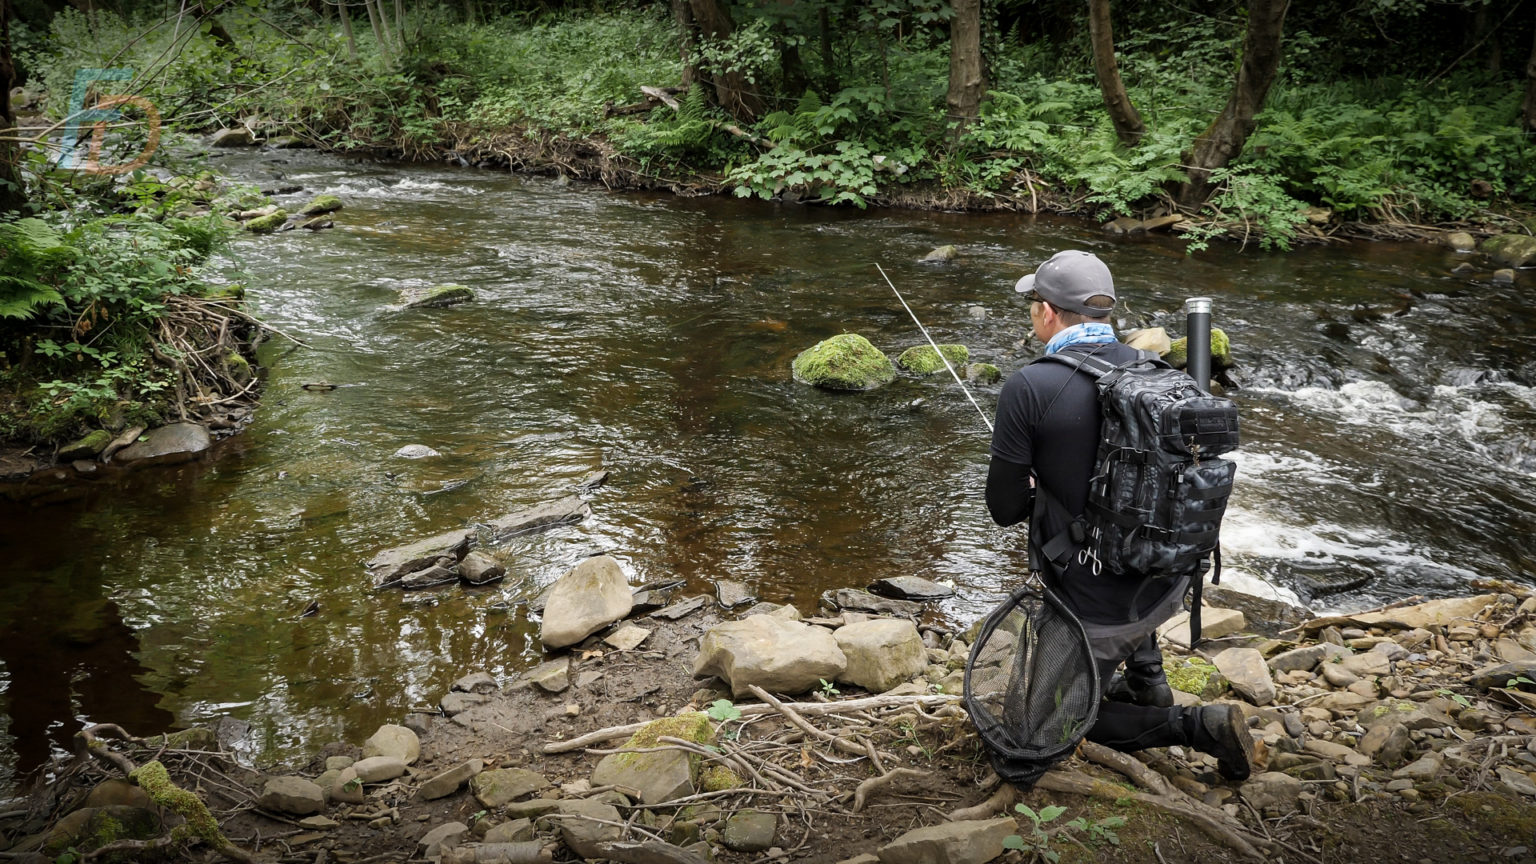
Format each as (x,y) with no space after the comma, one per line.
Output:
(819,822)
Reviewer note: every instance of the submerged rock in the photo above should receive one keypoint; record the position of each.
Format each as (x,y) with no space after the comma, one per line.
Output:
(87,447)
(1221,351)
(321,204)
(983,373)
(942,253)
(238,136)
(268,223)
(923,360)
(844,362)
(435,297)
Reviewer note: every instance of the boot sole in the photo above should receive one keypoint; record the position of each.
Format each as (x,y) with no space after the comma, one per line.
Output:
(1234,738)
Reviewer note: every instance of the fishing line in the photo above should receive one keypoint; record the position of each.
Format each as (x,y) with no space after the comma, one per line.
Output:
(942,358)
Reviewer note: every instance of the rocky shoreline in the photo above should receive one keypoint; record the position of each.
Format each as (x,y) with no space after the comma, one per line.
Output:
(660,729)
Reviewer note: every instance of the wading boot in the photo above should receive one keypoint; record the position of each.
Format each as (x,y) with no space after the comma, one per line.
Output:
(1145,685)
(1220,731)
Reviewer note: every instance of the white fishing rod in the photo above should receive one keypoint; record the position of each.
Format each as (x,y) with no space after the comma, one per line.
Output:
(942,358)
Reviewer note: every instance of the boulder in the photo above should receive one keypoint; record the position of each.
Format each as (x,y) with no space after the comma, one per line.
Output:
(563,511)
(503,785)
(433,843)
(923,360)
(844,362)
(590,597)
(1369,663)
(392,740)
(663,775)
(238,136)
(942,254)
(448,782)
(1247,673)
(778,655)
(292,795)
(321,204)
(911,588)
(515,831)
(91,827)
(477,568)
(177,442)
(968,841)
(881,653)
(750,831)
(1221,351)
(436,296)
(267,224)
(1460,241)
(1427,767)
(1387,743)
(1154,339)
(1214,624)
(863,601)
(1195,676)
(438,574)
(589,825)
(983,373)
(1306,657)
(1515,250)
(388,567)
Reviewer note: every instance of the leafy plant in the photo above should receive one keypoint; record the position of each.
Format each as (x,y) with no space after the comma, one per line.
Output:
(1038,842)
(828,689)
(723,711)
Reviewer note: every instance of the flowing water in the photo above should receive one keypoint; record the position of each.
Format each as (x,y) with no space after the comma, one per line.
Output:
(1388,407)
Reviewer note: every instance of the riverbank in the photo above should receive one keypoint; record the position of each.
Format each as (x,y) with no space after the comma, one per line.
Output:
(1406,733)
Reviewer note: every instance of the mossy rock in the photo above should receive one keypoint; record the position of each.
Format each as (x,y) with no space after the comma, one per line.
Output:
(844,362)
(267,224)
(94,827)
(436,296)
(1198,678)
(1514,250)
(923,360)
(196,738)
(233,291)
(86,447)
(321,204)
(1221,351)
(239,367)
(718,778)
(983,373)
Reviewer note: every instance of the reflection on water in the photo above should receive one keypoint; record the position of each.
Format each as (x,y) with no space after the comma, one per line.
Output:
(1388,435)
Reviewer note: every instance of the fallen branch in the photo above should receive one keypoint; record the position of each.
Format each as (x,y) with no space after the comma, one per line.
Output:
(875,784)
(1223,830)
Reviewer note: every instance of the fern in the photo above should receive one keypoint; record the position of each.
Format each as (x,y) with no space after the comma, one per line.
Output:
(32,258)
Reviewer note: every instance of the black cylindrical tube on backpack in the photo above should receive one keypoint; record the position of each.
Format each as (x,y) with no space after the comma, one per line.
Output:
(1198,331)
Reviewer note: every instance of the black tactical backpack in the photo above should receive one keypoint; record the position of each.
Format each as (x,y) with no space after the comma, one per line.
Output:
(1159,488)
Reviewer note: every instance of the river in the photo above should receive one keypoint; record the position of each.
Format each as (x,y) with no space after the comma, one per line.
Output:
(1388,410)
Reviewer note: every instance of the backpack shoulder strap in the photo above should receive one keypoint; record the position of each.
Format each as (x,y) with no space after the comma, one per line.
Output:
(1101,370)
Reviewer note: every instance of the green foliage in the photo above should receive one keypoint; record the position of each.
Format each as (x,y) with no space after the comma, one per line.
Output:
(723,711)
(1038,842)
(33,257)
(844,173)
(687,131)
(828,689)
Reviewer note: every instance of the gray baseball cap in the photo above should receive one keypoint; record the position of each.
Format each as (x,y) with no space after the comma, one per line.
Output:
(1068,279)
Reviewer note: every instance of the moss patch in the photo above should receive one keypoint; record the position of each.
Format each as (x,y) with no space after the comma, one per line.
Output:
(844,362)
(153,778)
(267,224)
(718,778)
(923,360)
(1221,351)
(436,296)
(983,373)
(1196,677)
(1515,250)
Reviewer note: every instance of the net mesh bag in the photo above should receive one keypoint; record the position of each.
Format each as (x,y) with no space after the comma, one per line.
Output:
(1031,684)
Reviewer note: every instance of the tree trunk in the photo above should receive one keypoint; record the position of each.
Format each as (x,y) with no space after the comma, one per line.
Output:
(1223,141)
(682,15)
(378,32)
(400,24)
(731,88)
(13,193)
(1127,120)
(967,78)
(346,29)
(829,77)
(216,30)
(1528,110)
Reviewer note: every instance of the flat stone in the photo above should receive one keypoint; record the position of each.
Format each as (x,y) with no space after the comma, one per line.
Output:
(1427,767)
(780,656)
(1500,675)
(685,606)
(627,637)
(750,831)
(292,795)
(591,824)
(448,782)
(475,682)
(431,577)
(347,787)
(388,567)
(1306,657)
(970,841)
(318,822)
(1343,703)
(1337,753)
(1387,743)
(1410,715)
(178,442)
(563,511)
(416,451)
(1337,676)
(656,777)
(396,741)
(457,703)
(1214,624)
(911,588)
(377,769)
(1369,663)
(881,653)
(1247,674)
(863,601)
(1435,613)
(503,785)
(533,808)
(594,594)
(1517,780)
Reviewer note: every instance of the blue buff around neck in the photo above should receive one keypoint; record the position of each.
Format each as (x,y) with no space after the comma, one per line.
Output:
(1081,334)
